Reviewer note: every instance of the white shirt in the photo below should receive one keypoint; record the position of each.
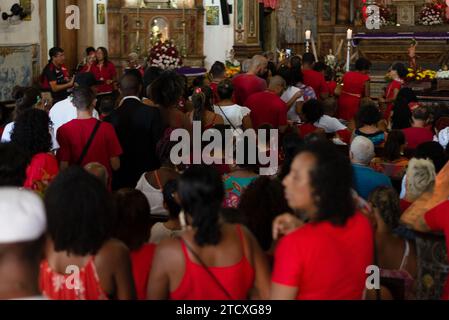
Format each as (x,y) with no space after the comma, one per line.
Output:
(129,97)
(9,128)
(286,97)
(160,232)
(63,112)
(154,196)
(329,124)
(234,114)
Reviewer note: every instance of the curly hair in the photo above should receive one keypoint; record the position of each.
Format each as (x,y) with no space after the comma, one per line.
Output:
(386,200)
(31,132)
(260,203)
(25,98)
(201,191)
(80,213)
(167,89)
(13,164)
(368,114)
(331,180)
(133,218)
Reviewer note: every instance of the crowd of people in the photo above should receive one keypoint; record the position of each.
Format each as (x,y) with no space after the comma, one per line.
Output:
(93,206)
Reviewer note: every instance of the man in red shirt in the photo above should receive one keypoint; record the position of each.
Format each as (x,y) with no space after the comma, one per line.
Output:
(73,137)
(247,84)
(267,107)
(314,78)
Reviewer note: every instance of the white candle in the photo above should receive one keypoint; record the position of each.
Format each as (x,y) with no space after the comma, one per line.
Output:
(308,34)
(349,34)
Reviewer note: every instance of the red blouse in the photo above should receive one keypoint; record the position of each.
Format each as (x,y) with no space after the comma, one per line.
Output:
(104,73)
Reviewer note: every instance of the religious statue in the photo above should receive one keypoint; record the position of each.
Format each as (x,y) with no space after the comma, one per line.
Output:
(330,60)
(412,54)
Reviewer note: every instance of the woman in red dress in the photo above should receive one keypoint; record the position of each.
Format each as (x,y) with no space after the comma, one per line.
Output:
(104,71)
(356,85)
(397,73)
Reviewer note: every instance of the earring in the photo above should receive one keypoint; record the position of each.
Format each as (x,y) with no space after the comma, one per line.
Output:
(182,220)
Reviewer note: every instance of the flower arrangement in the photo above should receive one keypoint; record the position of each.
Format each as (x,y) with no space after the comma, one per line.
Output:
(433,13)
(233,66)
(442,74)
(420,75)
(165,55)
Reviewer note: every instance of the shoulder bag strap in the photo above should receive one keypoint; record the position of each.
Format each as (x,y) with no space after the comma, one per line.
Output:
(227,119)
(197,257)
(89,142)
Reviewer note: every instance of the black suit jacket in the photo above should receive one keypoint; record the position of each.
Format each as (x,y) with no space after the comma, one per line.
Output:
(139,128)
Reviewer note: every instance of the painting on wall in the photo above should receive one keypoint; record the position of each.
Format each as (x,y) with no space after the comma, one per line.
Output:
(16,68)
(212,15)
(101,13)
(27,6)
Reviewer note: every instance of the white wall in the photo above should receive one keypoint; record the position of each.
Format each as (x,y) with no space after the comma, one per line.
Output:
(100,30)
(24,33)
(218,39)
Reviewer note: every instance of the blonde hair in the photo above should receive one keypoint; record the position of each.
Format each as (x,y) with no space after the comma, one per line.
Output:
(421,177)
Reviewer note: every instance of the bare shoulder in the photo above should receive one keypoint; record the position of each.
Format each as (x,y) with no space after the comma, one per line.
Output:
(169,252)
(113,251)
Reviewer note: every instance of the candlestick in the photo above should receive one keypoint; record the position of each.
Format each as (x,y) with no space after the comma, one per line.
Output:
(348,57)
(308,37)
(349,34)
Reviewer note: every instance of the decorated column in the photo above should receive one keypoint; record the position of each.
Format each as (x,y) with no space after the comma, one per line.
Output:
(246,30)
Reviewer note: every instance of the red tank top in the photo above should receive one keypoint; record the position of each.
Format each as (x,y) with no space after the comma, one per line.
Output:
(142,260)
(56,286)
(197,284)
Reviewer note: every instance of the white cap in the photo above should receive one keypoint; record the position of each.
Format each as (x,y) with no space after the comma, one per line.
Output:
(22,216)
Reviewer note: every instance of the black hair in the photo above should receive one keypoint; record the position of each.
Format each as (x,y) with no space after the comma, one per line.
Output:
(296,70)
(83,97)
(105,54)
(402,116)
(107,105)
(386,200)
(225,89)
(319,66)
(400,68)
(89,50)
(167,89)
(368,114)
(329,74)
(198,81)
(421,113)
(54,52)
(199,102)
(286,74)
(362,64)
(150,75)
(133,218)
(291,144)
(13,163)
(313,111)
(392,148)
(201,192)
(434,151)
(31,132)
(260,204)
(308,58)
(25,98)
(5,114)
(130,84)
(331,182)
(217,70)
(169,190)
(80,214)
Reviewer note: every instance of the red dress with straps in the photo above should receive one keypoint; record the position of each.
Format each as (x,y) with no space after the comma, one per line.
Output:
(58,286)
(197,284)
(353,91)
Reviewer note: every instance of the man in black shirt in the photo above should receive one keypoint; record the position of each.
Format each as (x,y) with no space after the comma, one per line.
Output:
(55,77)
(139,128)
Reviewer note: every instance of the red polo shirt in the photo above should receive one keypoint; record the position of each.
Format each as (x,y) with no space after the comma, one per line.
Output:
(315,80)
(267,108)
(245,85)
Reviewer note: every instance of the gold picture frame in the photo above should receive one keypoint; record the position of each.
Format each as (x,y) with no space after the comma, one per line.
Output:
(27,6)
(101,13)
